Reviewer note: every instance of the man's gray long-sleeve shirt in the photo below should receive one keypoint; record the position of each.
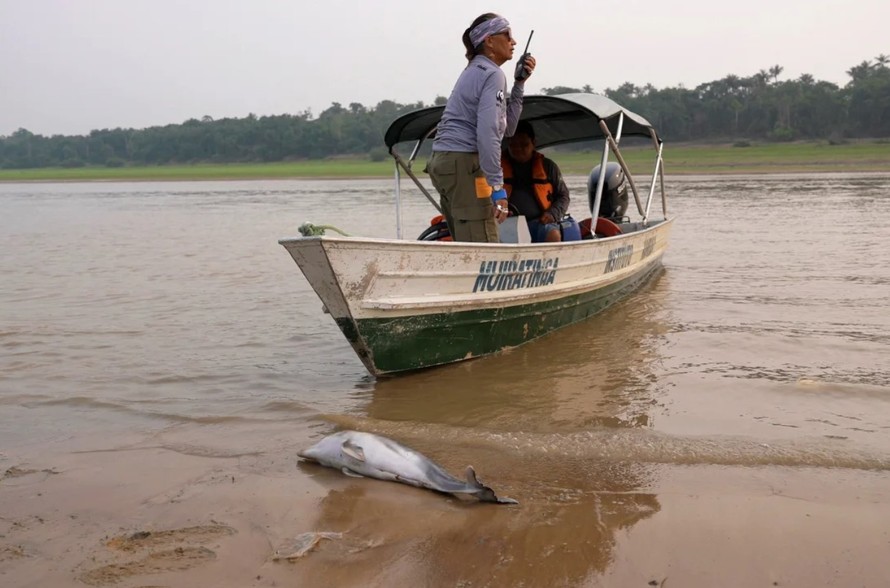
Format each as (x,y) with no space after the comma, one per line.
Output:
(478,115)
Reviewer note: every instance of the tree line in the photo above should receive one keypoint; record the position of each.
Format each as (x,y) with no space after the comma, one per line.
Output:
(759,107)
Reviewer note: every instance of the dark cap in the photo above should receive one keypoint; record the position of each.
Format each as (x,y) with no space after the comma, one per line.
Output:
(524,127)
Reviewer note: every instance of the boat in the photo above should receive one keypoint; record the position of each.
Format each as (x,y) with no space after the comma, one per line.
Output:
(408,304)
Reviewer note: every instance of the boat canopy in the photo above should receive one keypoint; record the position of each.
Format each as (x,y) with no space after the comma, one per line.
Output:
(564,118)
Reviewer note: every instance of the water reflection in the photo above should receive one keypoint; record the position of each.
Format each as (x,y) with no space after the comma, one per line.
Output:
(598,373)
(520,419)
(560,537)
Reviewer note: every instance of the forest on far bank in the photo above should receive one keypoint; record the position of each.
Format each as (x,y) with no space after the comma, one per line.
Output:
(759,107)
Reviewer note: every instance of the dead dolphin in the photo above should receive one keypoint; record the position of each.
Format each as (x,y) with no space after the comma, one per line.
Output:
(365,454)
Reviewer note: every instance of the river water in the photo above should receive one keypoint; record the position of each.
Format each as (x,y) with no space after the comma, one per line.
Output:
(169,311)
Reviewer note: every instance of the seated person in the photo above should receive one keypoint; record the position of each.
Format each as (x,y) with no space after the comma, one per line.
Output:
(534,185)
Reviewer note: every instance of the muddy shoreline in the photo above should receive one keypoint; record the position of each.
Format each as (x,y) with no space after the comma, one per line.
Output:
(150,516)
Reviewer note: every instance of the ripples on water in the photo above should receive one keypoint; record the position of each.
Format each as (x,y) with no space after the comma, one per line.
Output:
(158,306)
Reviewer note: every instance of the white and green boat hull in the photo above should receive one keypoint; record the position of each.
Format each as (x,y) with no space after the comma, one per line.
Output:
(406,305)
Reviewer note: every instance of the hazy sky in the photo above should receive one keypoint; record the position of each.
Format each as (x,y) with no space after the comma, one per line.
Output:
(70,66)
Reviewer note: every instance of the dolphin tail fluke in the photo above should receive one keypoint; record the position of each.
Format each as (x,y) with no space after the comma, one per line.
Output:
(483,492)
(471,478)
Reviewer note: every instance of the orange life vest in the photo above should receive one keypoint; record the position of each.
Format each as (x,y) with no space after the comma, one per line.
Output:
(544,190)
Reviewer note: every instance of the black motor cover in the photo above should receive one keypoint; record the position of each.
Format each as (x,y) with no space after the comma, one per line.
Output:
(614,202)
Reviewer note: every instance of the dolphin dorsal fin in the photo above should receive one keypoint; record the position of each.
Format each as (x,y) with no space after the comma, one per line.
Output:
(354,451)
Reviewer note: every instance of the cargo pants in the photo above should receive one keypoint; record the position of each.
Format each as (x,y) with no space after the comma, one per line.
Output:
(465,196)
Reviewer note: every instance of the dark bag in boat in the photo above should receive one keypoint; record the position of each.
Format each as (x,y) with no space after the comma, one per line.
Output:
(569,229)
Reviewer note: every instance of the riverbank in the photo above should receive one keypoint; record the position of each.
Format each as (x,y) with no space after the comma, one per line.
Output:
(680,159)
(106,517)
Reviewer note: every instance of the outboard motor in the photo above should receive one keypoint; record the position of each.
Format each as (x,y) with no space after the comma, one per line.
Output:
(614,201)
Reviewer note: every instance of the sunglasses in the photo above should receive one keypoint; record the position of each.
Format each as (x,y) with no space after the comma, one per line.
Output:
(509,35)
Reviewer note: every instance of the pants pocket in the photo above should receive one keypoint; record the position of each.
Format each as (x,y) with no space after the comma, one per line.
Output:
(443,173)
(441,165)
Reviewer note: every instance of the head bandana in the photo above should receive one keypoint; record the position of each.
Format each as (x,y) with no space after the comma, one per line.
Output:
(487,28)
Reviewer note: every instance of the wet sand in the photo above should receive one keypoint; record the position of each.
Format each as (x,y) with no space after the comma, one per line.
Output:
(133,515)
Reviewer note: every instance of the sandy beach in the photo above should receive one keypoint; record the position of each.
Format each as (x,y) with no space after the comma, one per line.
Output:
(127,514)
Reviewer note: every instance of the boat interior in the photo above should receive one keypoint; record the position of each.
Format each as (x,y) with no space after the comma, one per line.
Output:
(560,119)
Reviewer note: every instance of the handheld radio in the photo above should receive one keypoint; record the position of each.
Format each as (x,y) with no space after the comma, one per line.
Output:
(521,73)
